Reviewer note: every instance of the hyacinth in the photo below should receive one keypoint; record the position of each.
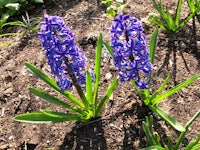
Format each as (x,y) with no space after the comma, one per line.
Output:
(131,55)
(66,60)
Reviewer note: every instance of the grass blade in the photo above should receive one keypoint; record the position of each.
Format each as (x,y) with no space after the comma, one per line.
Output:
(173,122)
(153,45)
(97,69)
(106,97)
(53,84)
(54,100)
(175,89)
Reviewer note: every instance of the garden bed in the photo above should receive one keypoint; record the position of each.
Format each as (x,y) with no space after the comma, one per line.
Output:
(120,125)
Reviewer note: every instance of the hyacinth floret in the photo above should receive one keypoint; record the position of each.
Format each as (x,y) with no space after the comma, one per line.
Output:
(65,59)
(131,55)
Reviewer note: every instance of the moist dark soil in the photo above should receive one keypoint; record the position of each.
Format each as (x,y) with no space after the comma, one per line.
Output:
(120,124)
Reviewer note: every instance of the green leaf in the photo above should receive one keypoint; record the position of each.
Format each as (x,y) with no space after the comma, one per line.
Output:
(182,135)
(170,22)
(106,97)
(178,11)
(38,1)
(159,23)
(175,89)
(191,5)
(97,69)
(15,23)
(66,116)
(194,144)
(169,143)
(173,122)
(147,127)
(185,21)
(41,118)
(108,48)
(89,88)
(13,6)
(53,84)
(8,34)
(155,147)
(111,11)
(153,45)
(160,9)
(54,100)
(154,95)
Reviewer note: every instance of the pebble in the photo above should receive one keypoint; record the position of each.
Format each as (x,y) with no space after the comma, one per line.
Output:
(10,137)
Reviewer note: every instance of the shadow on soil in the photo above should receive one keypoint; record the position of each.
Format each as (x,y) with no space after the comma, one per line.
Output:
(90,136)
(180,43)
(85,136)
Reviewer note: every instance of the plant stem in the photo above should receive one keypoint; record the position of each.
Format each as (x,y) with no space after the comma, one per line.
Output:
(77,86)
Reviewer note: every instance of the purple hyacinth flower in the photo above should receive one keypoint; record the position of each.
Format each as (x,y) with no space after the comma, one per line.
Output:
(66,60)
(131,55)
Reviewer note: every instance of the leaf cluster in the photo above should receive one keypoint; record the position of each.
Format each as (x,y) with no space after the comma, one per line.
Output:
(10,7)
(114,7)
(173,23)
(154,142)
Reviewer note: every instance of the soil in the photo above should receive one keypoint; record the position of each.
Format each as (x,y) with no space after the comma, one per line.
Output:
(120,124)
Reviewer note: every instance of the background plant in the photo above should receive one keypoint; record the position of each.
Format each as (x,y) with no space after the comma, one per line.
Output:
(153,139)
(134,62)
(67,64)
(28,24)
(114,7)
(167,21)
(10,7)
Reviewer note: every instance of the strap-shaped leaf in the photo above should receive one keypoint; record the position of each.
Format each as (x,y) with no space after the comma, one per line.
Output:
(97,69)
(66,116)
(89,88)
(108,48)
(178,11)
(154,95)
(194,145)
(175,89)
(169,142)
(42,118)
(147,127)
(160,23)
(153,43)
(182,135)
(155,147)
(54,100)
(170,22)
(53,84)
(173,122)
(106,97)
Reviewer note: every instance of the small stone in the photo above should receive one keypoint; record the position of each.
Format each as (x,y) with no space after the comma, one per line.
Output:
(108,76)
(10,137)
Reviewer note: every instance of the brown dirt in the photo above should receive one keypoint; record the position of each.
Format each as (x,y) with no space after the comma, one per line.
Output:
(119,127)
